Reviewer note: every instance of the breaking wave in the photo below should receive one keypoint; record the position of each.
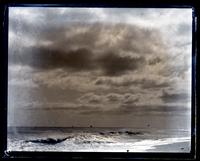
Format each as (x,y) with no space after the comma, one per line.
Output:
(95,141)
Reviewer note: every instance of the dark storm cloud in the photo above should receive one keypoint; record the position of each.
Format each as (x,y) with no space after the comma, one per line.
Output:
(86,46)
(47,58)
(78,60)
(154,61)
(169,97)
(72,65)
(116,65)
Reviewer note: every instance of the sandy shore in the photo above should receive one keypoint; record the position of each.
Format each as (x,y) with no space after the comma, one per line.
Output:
(174,147)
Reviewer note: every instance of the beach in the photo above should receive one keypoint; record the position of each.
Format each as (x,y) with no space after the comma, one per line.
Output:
(99,140)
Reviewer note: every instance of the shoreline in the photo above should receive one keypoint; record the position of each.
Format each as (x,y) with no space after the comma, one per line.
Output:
(182,147)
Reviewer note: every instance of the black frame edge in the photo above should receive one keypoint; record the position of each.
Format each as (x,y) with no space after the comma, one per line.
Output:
(76,155)
(3,76)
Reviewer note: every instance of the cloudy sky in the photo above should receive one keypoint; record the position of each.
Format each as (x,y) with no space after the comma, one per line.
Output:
(99,66)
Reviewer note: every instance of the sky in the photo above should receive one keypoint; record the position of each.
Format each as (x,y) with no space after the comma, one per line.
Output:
(106,67)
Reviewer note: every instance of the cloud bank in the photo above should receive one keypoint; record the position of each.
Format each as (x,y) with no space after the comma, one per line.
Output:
(89,61)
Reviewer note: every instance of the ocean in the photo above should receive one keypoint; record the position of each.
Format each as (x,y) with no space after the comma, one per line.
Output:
(92,139)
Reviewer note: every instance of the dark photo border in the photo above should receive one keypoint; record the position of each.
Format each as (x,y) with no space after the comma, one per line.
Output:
(89,3)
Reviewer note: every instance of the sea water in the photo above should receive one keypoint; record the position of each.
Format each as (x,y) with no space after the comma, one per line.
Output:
(99,139)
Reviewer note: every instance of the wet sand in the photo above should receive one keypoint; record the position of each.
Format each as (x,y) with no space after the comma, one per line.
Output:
(175,147)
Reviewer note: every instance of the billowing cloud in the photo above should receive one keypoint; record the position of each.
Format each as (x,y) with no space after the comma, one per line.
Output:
(131,99)
(114,97)
(175,96)
(113,49)
(91,98)
(47,58)
(81,62)
(116,65)
(110,98)
(154,61)
(143,81)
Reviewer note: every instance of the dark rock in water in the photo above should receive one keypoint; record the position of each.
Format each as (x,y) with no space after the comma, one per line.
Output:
(101,133)
(133,133)
(138,133)
(124,132)
(120,132)
(94,142)
(48,140)
(112,132)
(129,132)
